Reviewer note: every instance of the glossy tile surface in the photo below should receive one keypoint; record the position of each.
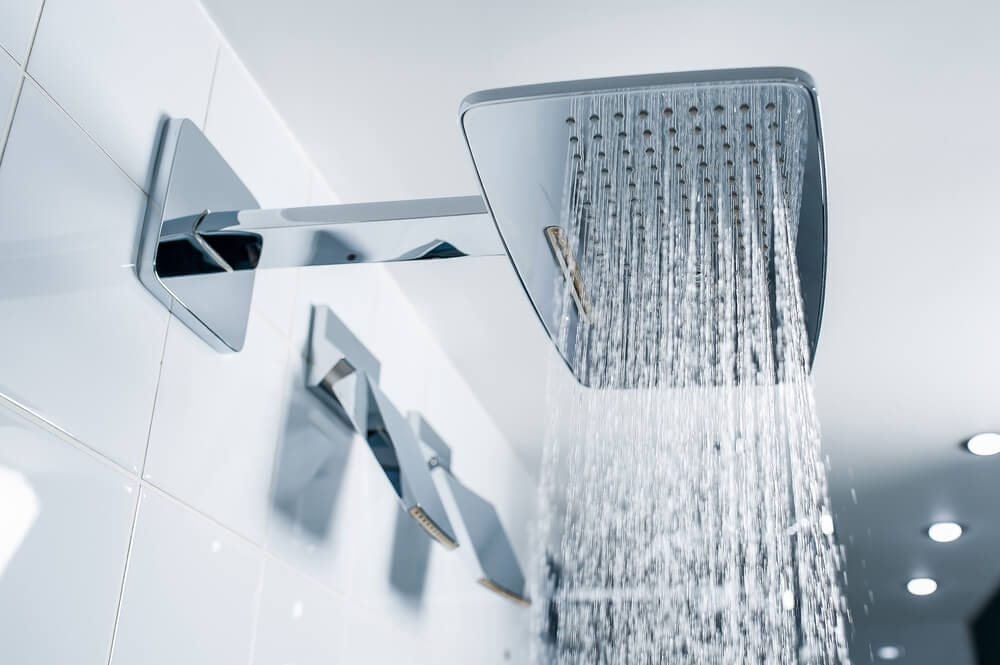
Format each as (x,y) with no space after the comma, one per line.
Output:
(81,339)
(218,421)
(148,60)
(190,592)
(299,622)
(9,75)
(17,20)
(65,519)
(254,139)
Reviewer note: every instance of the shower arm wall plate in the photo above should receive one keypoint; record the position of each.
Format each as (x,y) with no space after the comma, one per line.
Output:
(204,237)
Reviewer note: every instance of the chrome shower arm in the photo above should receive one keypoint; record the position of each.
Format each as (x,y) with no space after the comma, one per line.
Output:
(327,235)
(204,236)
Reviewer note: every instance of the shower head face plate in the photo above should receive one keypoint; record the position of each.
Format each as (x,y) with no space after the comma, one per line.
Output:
(555,158)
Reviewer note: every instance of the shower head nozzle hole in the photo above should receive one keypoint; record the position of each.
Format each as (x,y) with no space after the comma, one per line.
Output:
(770,106)
(693,111)
(570,120)
(719,108)
(667,112)
(744,107)
(595,118)
(619,115)
(643,114)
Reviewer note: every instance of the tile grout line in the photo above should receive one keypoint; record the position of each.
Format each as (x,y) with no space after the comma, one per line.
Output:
(22,75)
(211,88)
(156,389)
(45,93)
(258,601)
(128,563)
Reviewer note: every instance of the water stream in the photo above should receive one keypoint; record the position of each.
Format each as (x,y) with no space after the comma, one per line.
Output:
(685,515)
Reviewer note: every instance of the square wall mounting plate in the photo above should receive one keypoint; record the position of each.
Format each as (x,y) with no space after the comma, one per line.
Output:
(190,179)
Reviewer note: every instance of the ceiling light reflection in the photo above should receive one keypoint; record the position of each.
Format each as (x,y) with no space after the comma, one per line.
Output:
(945,532)
(889,652)
(921,586)
(987,443)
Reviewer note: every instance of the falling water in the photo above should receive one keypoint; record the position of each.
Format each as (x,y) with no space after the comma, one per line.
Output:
(684,501)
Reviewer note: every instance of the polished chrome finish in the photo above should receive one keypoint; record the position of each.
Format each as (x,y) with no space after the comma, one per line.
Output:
(517,140)
(486,549)
(190,178)
(204,238)
(437,452)
(344,375)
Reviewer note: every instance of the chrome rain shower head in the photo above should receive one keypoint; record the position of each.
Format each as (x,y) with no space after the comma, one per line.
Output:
(562,164)
(544,155)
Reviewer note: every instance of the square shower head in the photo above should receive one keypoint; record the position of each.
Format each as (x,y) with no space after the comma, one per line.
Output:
(563,165)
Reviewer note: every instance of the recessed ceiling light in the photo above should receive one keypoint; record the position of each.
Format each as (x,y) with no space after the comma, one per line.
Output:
(921,586)
(987,443)
(889,652)
(944,532)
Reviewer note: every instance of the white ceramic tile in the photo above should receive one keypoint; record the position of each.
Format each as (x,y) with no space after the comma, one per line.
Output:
(354,292)
(319,494)
(373,640)
(65,519)
(299,622)
(217,424)
(254,139)
(81,339)
(17,20)
(274,293)
(320,193)
(9,75)
(190,590)
(120,67)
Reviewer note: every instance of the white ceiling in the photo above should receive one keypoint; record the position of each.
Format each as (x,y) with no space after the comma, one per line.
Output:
(908,363)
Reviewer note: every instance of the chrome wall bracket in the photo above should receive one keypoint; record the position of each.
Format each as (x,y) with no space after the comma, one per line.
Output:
(344,375)
(204,237)
(415,461)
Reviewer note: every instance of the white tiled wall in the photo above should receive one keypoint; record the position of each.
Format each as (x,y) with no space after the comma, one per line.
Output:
(164,503)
